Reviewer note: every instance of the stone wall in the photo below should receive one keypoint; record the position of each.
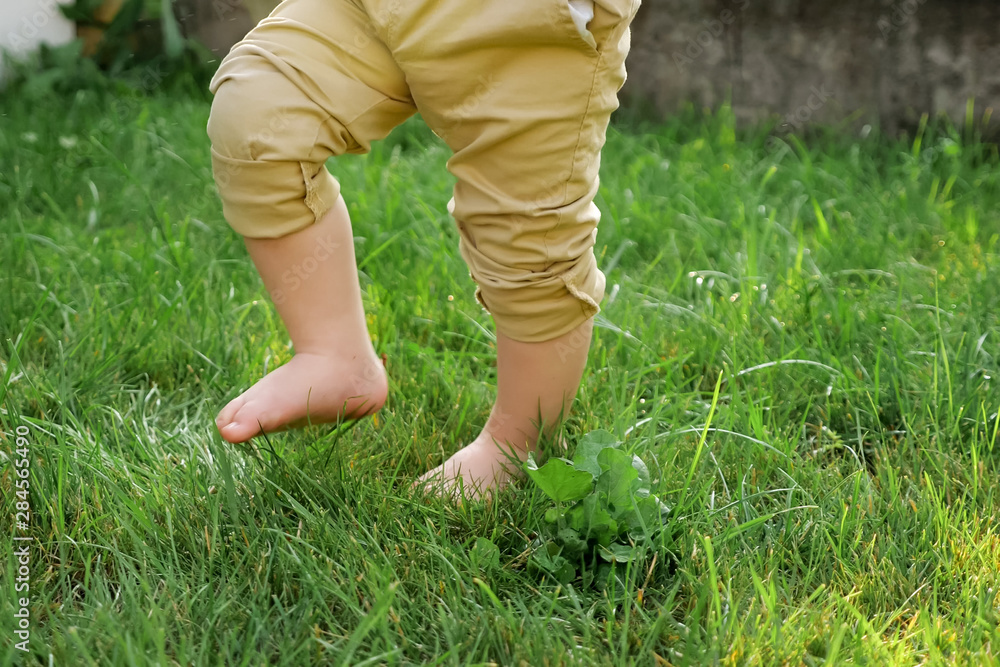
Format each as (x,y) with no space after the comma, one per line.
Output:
(829,61)
(218,24)
(862,60)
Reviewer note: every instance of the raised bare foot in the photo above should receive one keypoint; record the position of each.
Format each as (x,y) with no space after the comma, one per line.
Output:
(476,471)
(309,389)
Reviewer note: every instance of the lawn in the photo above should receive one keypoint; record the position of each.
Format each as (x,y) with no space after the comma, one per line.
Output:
(801,340)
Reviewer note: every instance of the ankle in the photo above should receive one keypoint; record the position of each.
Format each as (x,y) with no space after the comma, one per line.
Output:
(342,348)
(363,372)
(507,443)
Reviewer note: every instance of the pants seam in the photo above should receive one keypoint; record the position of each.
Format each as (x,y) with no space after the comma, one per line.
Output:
(576,148)
(583,122)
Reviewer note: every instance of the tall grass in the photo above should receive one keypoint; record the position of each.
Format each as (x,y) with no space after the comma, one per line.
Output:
(844,293)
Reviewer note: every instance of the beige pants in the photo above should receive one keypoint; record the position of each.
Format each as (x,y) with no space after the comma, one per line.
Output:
(520,95)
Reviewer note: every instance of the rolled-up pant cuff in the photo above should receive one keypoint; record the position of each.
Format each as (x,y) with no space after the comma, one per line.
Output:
(257,209)
(539,307)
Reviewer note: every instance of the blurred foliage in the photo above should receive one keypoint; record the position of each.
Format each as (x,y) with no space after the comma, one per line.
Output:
(140,48)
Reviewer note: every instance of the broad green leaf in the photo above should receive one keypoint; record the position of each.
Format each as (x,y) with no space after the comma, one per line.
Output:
(643,471)
(588,449)
(572,545)
(485,554)
(575,515)
(649,514)
(566,570)
(591,519)
(560,480)
(619,481)
(543,559)
(603,574)
(606,537)
(557,566)
(609,458)
(81,11)
(620,553)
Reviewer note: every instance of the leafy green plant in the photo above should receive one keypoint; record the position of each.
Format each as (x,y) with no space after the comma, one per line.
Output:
(485,555)
(142,49)
(54,70)
(604,512)
(127,34)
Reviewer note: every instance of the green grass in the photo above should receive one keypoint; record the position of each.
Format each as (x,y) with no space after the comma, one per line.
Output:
(843,293)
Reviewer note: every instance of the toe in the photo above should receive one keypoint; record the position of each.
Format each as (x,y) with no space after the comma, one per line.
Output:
(430,478)
(451,480)
(244,424)
(236,432)
(227,413)
(437,482)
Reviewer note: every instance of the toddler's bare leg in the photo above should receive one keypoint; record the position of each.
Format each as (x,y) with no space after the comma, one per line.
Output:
(536,382)
(335,374)
(527,137)
(310,82)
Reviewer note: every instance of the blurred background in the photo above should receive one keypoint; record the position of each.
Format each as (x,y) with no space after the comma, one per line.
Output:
(794,61)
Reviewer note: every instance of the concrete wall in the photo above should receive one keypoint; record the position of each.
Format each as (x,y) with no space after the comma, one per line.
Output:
(805,60)
(810,61)
(218,24)
(24,24)
(832,61)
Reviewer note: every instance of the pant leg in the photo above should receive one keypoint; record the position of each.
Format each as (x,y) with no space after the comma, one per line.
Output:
(312,80)
(523,99)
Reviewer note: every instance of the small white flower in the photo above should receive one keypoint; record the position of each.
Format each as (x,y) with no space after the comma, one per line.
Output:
(29,137)
(67,142)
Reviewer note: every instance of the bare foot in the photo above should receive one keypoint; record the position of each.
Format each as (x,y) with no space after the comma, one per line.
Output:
(309,389)
(536,383)
(476,471)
